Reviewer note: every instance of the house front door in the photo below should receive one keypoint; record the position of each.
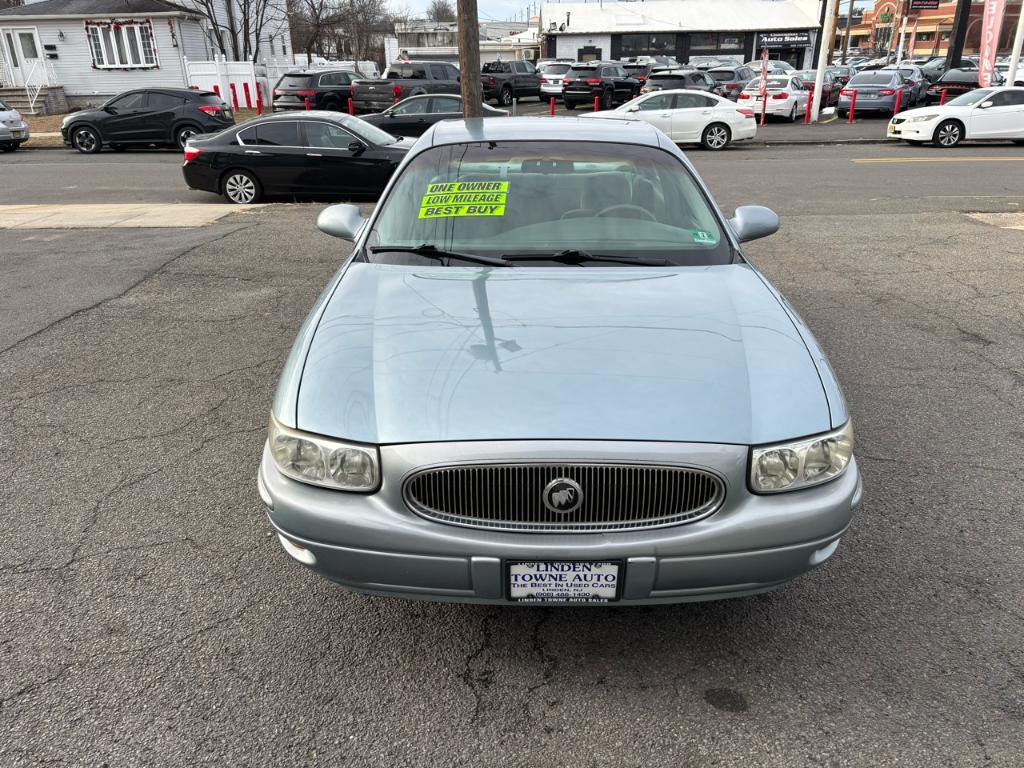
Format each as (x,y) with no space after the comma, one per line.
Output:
(23,56)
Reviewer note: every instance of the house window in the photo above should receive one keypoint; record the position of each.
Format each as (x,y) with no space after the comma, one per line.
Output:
(925,37)
(124,45)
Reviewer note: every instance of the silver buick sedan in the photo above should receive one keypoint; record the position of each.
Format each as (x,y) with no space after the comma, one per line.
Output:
(547,374)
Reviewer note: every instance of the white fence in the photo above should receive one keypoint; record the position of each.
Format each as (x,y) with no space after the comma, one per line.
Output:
(241,84)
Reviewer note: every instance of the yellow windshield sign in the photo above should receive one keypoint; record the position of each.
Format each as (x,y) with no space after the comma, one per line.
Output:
(464,198)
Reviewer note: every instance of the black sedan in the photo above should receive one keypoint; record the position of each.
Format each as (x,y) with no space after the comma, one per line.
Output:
(412,116)
(304,154)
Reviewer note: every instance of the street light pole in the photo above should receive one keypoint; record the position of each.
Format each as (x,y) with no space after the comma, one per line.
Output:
(469,59)
(823,56)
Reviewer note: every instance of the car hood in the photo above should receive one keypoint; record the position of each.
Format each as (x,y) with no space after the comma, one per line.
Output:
(10,115)
(935,109)
(412,354)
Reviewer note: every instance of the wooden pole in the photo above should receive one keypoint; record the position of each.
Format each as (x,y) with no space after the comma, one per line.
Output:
(846,32)
(469,59)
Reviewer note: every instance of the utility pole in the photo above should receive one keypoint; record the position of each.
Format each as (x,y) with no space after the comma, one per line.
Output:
(831,8)
(817,41)
(469,59)
(846,32)
(1018,43)
(959,36)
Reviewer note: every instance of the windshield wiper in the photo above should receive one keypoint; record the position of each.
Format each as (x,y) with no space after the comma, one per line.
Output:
(433,252)
(573,256)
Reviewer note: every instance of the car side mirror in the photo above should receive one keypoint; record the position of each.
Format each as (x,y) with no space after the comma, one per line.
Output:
(110,110)
(751,222)
(356,147)
(634,108)
(342,221)
(985,105)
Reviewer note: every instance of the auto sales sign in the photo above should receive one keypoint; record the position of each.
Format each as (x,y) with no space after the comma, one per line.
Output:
(991,26)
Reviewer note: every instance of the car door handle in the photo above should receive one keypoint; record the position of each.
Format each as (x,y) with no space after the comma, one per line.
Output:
(253,152)
(706,112)
(313,154)
(665,114)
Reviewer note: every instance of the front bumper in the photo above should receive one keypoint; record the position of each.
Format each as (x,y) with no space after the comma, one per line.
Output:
(911,131)
(375,544)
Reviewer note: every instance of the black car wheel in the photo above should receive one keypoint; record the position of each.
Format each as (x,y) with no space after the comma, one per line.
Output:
(570,105)
(9,147)
(86,140)
(185,133)
(716,136)
(948,134)
(332,105)
(606,100)
(241,187)
(505,96)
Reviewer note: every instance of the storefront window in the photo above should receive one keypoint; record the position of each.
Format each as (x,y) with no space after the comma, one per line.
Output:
(704,41)
(648,45)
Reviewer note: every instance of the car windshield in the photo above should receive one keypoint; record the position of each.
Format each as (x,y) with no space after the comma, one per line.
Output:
(4,107)
(723,75)
(968,99)
(872,78)
(555,69)
(502,199)
(584,71)
(773,82)
(295,81)
(370,133)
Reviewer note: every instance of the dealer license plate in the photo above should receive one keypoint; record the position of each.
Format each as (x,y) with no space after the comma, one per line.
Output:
(564,582)
(892,130)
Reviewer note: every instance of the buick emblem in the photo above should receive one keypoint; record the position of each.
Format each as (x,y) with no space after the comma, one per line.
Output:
(562,496)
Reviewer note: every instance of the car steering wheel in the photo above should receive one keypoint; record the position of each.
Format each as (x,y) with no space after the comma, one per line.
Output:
(644,213)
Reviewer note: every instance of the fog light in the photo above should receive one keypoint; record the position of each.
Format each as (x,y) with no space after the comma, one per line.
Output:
(297,551)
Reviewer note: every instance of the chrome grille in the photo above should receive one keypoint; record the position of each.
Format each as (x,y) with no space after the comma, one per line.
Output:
(616,497)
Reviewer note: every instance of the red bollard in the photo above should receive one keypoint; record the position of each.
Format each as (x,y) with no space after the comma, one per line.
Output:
(807,112)
(899,98)
(597,103)
(248,96)
(942,100)
(351,106)
(234,96)
(853,104)
(259,99)
(216,89)
(396,91)
(307,104)
(551,109)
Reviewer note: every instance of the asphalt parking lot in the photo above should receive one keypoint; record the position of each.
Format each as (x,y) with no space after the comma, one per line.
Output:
(150,618)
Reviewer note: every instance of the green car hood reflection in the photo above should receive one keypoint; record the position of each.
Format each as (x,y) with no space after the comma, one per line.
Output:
(420,354)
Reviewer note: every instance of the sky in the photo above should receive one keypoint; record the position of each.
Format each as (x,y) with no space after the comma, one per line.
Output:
(494,10)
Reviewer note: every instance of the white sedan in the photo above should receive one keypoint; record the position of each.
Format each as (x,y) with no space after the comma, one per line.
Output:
(985,113)
(786,96)
(689,117)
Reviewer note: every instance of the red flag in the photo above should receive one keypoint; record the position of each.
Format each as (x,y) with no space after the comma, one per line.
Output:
(991,26)
(913,41)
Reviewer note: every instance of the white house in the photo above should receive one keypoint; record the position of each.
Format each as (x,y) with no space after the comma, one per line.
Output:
(80,52)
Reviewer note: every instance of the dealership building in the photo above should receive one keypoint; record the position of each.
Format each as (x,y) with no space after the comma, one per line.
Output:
(681,29)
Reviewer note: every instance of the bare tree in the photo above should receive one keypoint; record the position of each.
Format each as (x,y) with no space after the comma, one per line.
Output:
(310,23)
(224,34)
(441,10)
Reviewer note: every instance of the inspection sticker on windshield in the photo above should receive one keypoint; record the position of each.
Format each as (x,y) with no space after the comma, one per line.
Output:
(464,198)
(700,236)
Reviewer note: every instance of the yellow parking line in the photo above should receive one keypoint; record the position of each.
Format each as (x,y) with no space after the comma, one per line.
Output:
(872,160)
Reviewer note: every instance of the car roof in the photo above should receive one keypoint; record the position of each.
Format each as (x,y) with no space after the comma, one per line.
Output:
(572,129)
(308,114)
(318,71)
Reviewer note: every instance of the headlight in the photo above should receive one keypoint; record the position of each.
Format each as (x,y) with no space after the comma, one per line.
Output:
(801,463)
(323,461)
(921,118)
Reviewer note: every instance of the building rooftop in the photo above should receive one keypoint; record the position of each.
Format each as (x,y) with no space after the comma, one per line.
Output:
(118,8)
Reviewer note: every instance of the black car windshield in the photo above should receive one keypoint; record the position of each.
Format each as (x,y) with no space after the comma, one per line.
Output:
(370,133)
(554,69)
(968,99)
(295,81)
(584,71)
(960,76)
(544,197)
(723,75)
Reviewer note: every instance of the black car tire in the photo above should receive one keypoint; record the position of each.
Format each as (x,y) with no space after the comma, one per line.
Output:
(86,140)
(9,147)
(948,134)
(505,96)
(183,134)
(792,113)
(241,187)
(332,105)
(570,105)
(716,136)
(607,99)
(842,113)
